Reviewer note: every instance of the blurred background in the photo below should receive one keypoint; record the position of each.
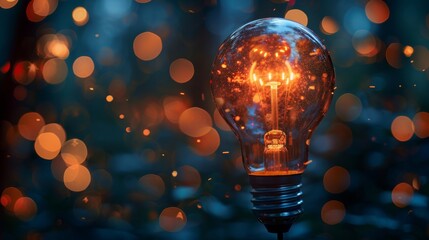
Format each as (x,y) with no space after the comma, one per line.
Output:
(108,129)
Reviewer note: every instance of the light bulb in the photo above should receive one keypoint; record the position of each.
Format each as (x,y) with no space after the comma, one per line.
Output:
(273,81)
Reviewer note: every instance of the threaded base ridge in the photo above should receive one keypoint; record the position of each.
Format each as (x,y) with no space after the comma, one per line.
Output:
(277,200)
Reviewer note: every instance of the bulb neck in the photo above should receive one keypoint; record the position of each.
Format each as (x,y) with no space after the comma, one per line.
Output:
(277,200)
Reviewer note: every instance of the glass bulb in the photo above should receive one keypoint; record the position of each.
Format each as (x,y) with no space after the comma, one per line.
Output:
(273,81)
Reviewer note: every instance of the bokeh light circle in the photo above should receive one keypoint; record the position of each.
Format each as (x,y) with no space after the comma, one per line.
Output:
(402,194)
(420,58)
(83,67)
(377,11)
(6,4)
(24,72)
(336,179)
(298,16)
(348,107)
(402,128)
(152,185)
(206,144)
(25,208)
(174,107)
(333,212)
(54,71)
(47,145)
(147,46)
(393,55)
(364,43)
(9,196)
(56,129)
(30,124)
(80,16)
(74,151)
(181,70)
(195,122)
(188,176)
(172,219)
(77,178)
(421,124)
(329,26)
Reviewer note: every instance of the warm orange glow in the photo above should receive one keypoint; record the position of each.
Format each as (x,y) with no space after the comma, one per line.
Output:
(146,132)
(109,98)
(181,70)
(53,45)
(41,7)
(9,197)
(174,107)
(408,51)
(298,16)
(329,26)
(47,145)
(143,1)
(30,124)
(333,212)
(188,176)
(37,10)
(365,43)
(421,124)
(172,219)
(402,194)
(24,72)
(74,151)
(377,11)
(147,46)
(121,116)
(83,67)
(58,166)
(195,122)
(80,16)
(336,180)
(207,144)
(402,128)
(54,71)
(393,55)
(77,178)
(25,208)
(6,4)
(56,129)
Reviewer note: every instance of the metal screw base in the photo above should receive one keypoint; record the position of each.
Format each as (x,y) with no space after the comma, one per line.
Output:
(277,200)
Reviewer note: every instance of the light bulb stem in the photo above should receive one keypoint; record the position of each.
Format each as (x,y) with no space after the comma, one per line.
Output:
(277,200)
(274,106)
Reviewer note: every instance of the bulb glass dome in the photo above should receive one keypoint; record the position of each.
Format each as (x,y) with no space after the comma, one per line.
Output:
(273,81)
